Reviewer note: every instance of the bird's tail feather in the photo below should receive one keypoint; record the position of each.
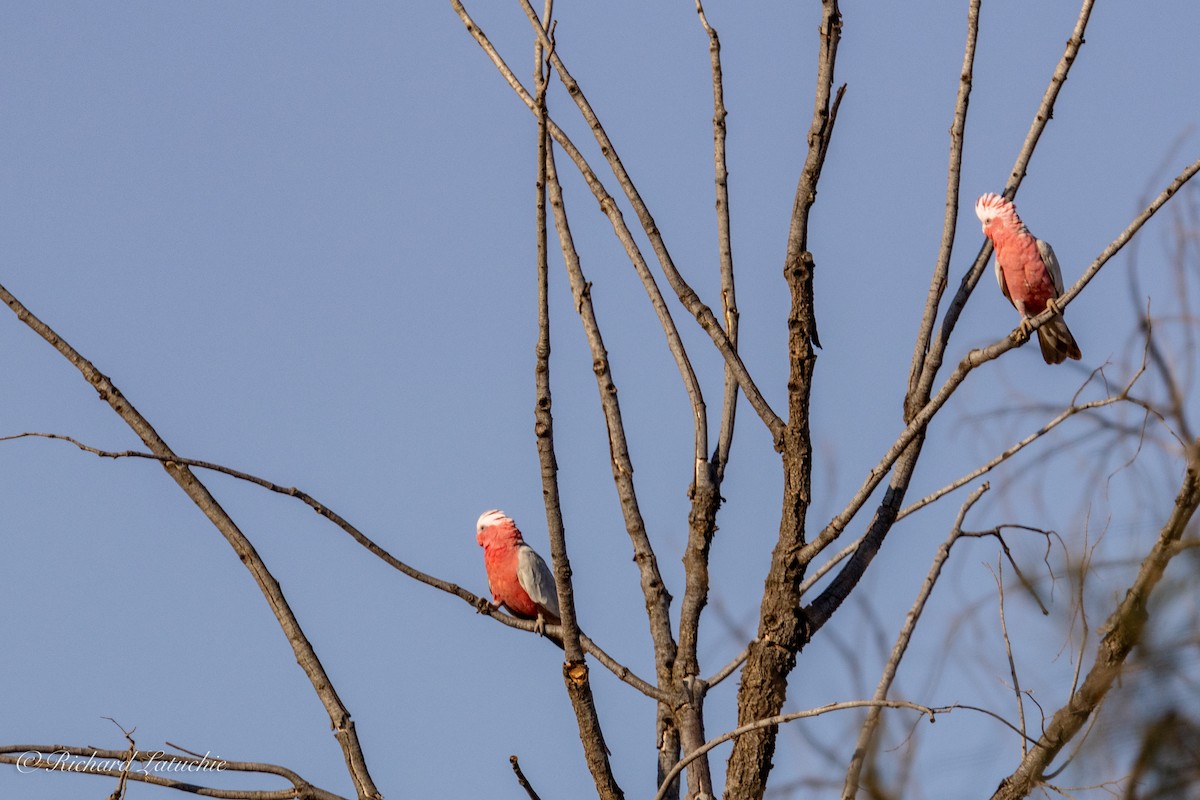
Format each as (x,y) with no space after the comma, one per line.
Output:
(1057,342)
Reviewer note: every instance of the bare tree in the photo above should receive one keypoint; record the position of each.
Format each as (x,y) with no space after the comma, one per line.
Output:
(817,566)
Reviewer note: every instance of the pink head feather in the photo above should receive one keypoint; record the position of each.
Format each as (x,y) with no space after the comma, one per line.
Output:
(496,529)
(991,205)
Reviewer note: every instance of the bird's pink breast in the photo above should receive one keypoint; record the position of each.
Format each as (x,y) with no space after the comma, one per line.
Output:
(1025,273)
(501,565)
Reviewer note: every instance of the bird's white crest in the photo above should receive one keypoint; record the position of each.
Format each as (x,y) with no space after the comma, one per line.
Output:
(489,518)
(992,205)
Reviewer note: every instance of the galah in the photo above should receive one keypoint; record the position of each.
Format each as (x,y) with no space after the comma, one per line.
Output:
(1028,273)
(517,576)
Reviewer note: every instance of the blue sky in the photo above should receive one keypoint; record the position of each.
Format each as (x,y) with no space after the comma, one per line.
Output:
(299,237)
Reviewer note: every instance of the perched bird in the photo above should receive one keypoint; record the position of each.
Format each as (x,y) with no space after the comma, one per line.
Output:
(1028,273)
(517,576)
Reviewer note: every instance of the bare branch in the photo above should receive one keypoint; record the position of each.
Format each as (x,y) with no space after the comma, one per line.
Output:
(658,599)
(1012,663)
(687,296)
(306,656)
(516,765)
(705,490)
(1045,111)
(1063,416)
(724,243)
(610,209)
(783,625)
(942,269)
(575,671)
(867,732)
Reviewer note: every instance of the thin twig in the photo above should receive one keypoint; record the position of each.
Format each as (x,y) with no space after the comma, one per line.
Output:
(119,792)
(521,779)
(1012,662)
(1075,408)
(866,733)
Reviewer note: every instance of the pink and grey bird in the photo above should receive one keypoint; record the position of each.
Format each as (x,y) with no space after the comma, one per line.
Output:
(517,576)
(1028,273)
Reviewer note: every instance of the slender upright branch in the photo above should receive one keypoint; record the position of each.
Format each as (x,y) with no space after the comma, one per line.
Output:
(543,404)
(953,179)
(705,491)
(575,670)
(783,628)
(724,244)
(675,343)
(306,656)
(654,590)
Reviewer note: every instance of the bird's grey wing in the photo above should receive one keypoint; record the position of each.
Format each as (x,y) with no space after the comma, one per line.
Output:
(537,580)
(1051,262)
